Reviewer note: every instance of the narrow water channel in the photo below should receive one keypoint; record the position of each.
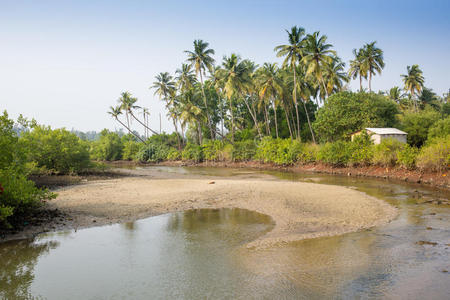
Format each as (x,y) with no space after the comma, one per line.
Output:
(198,254)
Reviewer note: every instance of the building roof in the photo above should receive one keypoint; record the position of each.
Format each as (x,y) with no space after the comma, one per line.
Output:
(386,131)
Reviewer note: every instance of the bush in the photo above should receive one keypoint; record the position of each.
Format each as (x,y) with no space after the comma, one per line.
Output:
(192,152)
(212,150)
(435,156)
(241,151)
(56,150)
(152,152)
(308,153)
(385,153)
(130,149)
(336,154)
(417,124)
(108,147)
(440,129)
(361,150)
(347,112)
(407,156)
(173,154)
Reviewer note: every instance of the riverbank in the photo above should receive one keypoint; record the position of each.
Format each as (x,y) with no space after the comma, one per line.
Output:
(300,210)
(433,179)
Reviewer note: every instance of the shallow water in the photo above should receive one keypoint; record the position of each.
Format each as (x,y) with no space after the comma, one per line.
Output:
(199,254)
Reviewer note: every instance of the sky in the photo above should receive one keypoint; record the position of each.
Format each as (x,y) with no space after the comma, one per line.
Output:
(65,62)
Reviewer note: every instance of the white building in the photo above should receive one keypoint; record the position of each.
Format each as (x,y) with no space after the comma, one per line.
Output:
(379,134)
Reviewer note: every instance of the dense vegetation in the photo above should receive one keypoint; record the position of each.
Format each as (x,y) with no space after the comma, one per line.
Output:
(300,112)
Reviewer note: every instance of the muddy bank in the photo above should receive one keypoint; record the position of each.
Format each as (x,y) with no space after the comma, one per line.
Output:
(300,210)
(434,179)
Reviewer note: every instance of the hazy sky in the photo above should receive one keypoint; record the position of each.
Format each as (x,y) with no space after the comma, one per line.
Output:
(65,62)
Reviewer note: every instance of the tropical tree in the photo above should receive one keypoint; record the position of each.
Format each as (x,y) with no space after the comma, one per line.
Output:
(317,55)
(413,80)
(335,76)
(270,86)
(202,60)
(185,78)
(234,79)
(372,61)
(356,67)
(115,112)
(293,53)
(127,103)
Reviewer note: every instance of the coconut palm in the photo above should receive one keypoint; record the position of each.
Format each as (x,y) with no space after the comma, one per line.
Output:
(234,79)
(270,86)
(372,58)
(317,54)
(356,67)
(115,112)
(413,80)
(335,76)
(395,94)
(145,115)
(293,53)
(127,103)
(185,78)
(202,60)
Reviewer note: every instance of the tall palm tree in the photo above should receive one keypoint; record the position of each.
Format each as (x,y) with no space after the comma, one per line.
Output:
(115,112)
(185,78)
(395,94)
(413,80)
(234,79)
(270,86)
(145,115)
(373,62)
(127,103)
(356,67)
(335,76)
(305,89)
(202,60)
(293,53)
(317,54)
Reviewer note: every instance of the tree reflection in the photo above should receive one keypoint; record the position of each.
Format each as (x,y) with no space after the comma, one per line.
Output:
(17,261)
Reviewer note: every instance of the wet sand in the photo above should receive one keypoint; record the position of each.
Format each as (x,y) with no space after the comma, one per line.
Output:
(300,210)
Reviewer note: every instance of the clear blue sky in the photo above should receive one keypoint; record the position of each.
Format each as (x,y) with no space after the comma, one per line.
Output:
(65,62)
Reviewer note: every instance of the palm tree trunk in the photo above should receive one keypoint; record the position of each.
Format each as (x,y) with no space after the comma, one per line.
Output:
(154,132)
(176,132)
(199,132)
(266,116)
(295,103)
(275,115)
(206,108)
(253,117)
(129,130)
(370,82)
(288,121)
(232,120)
(360,83)
(309,123)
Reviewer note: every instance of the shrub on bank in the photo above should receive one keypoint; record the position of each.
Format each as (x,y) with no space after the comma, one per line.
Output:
(108,147)
(241,151)
(308,153)
(212,150)
(130,150)
(173,154)
(385,153)
(360,150)
(278,151)
(192,152)
(152,152)
(440,129)
(435,156)
(336,154)
(407,157)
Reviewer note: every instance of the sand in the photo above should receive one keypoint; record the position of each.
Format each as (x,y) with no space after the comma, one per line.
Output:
(300,210)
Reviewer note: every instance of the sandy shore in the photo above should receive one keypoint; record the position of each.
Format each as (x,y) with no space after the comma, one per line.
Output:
(300,210)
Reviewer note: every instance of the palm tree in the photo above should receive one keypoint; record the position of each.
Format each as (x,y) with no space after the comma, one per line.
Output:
(201,60)
(270,86)
(305,88)
(335,76)
(185,77)
(115,112)
(127,103)
(317,54)
(145,115)
(356,67)
(293,53)
(234,79)
(395,94)
(372,61)
(413,80)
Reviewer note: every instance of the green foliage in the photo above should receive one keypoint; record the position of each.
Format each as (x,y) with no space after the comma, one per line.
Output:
(130,149)
(440,129)
(435,156)
(347,112)
(18,195)
(361,150)
(56,150)
(173,154)
(243,150)
(108,147)
(212,150)
(192,152)
(153,152)
(417,124)
(407,157)
(309,153)
(336,154)
(278,151)
(385,153)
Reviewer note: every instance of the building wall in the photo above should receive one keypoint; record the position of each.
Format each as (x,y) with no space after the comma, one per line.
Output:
(398,137)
